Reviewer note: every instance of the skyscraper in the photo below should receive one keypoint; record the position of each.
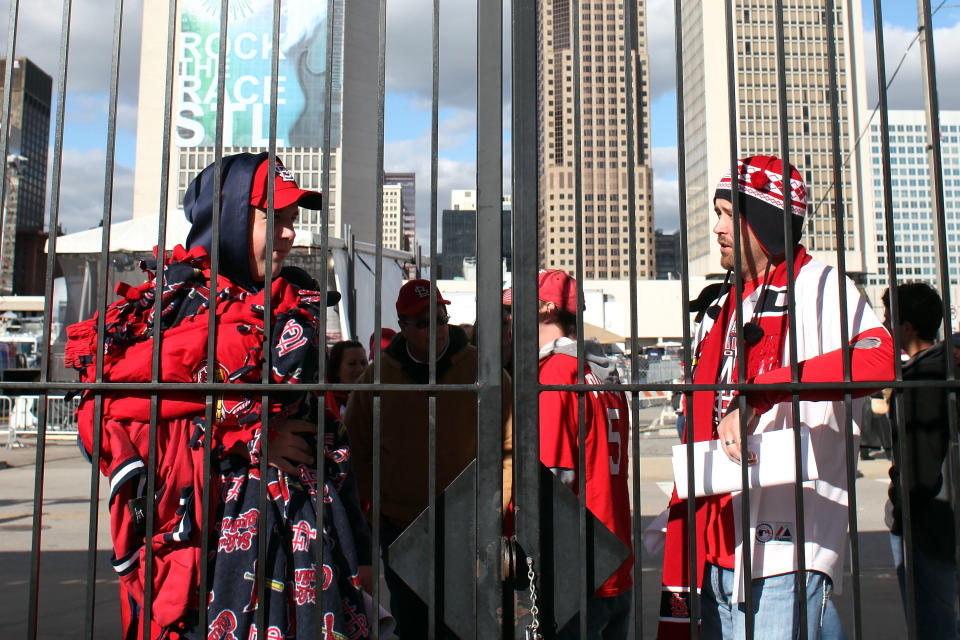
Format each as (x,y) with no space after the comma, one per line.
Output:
(392,216)
(302,85)
(22,261)
(707,136)
(914,227)
(603,162)
(408,188)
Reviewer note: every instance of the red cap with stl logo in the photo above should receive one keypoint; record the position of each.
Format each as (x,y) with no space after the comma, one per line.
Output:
(285,190)
(414,297)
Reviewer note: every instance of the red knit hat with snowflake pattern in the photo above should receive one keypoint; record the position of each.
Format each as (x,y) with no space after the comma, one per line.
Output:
(761,187)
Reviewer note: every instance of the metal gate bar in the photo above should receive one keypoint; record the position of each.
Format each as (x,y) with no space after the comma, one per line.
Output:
(929,73)
(489,601)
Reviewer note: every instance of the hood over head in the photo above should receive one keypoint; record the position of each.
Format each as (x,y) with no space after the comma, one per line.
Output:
(602,365)
(237,173)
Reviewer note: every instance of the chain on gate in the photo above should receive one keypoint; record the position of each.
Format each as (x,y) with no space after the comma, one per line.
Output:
(533,629)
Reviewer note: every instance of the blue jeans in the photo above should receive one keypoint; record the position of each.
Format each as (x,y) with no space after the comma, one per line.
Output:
(935,582)
(607,619)
(776,607)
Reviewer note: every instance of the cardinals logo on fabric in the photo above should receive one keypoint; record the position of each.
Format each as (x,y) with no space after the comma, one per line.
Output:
(678,606)
(223,626)
(422,292)
(291,338)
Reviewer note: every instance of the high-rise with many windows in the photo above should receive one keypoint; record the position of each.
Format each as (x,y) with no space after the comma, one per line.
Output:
(407,180)
(603,164)
(914,226)
(302,84)
(706,116)
(22,261)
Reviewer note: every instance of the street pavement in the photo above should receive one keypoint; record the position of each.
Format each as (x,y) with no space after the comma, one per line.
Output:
(63,571)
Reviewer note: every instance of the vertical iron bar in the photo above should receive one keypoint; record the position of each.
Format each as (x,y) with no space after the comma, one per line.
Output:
(210,414)
(156,374)
(104,283)
(576,6)
(524,176)
(324,216)
(692,541)
(377,304)
(932,104)
(435,589)
(894,316)
(789,257)
(488,597)
(839,226)
(747,542)
(632,59)
(263,599)
(55,169)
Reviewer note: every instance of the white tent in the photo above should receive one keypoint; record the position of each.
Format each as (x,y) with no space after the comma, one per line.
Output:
(139,235)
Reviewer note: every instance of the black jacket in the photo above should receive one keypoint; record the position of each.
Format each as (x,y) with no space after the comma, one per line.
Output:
(928,434)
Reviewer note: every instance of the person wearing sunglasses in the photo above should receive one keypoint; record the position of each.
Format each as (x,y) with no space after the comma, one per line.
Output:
(404,431)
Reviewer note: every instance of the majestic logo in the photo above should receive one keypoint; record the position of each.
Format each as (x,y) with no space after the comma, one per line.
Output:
(291,337)
(421,291)
(775,532)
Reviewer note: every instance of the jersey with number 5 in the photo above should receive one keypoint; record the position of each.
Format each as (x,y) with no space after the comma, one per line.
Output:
(607,424)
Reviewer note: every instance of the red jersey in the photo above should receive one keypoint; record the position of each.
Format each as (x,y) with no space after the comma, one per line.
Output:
(607,441)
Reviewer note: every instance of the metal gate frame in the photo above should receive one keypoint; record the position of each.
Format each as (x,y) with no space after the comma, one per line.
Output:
(491,619)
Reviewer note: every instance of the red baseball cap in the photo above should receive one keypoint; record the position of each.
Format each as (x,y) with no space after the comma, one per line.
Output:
(285,190)
(559,288)
(386,335)
(414,297)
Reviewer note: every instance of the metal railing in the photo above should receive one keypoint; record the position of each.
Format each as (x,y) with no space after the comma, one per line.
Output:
(18,417)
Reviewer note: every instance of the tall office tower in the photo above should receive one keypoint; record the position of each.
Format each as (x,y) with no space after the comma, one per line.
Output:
(408,184)
(22,254)
(668,255)
(603,163)
(706,123)
(392,216)
(458,239)
(301,91)
(914,228)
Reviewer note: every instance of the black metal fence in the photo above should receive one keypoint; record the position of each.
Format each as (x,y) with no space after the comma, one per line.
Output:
(493,599)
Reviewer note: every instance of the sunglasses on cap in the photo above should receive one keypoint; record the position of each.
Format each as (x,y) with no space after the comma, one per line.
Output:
(423,323)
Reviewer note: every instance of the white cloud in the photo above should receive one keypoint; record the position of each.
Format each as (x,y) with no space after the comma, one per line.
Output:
(907,91)
(91,43)
(81,189)
(410,45)
(660,47)
(666,199)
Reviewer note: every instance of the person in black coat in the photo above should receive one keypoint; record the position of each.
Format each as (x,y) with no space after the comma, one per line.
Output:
(927,430)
